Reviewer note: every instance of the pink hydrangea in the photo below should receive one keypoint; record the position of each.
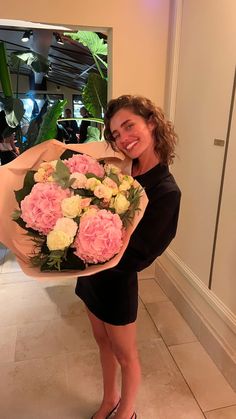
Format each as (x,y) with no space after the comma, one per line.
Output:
(41,208)
(82,163)
(99,237)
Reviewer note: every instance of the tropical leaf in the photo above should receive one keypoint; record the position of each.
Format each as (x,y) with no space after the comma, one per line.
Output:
(93,134)
(34,127)
(37,62)
(48,129)
(14,110)
(94,95)
(90,40)
(4,72)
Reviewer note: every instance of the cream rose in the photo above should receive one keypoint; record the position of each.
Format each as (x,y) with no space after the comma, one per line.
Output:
(92,182)
(67,225)
(103,192)
(120,203)
(107,181)
(111,168)
(58,240)
(80,180)
(71,207)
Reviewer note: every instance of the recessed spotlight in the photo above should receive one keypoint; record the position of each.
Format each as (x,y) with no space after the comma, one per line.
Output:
(26,36)
(58,38)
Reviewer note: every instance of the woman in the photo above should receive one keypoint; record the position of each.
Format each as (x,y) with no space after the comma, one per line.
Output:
(136,127)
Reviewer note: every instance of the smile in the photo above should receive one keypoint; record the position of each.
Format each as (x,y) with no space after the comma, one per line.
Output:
(131,145)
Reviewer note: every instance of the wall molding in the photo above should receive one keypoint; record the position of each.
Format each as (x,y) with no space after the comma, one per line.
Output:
(224,312)
(211,321)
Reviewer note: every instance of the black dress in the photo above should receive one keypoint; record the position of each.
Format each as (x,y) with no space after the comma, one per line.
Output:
(112,295)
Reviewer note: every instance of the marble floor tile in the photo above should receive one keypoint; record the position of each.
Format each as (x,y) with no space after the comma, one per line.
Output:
(149,272)
(25,302)
(146,329)
(14,277)
(36,389)
(171,325)
(10,264)
(7,343)
(164,393)
(225,413)
(48,338)
(150,292)
(85,380)
(64,298)
(209,386)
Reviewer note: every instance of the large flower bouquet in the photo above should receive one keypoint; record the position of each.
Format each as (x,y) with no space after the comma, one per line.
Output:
(76,210)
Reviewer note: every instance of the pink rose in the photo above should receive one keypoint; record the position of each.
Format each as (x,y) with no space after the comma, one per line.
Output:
(42,207)
(99,237)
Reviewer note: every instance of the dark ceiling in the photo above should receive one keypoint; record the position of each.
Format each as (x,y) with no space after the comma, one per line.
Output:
(70,62)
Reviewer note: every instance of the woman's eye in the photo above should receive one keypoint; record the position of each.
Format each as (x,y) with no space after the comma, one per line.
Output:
(129,126)
(115,137)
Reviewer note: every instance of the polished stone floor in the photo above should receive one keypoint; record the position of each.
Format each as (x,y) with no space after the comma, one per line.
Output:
(49,367)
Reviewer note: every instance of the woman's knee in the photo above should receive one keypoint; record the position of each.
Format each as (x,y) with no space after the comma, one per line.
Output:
(126,356)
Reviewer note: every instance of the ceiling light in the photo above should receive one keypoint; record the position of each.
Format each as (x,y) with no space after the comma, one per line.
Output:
(58,38)
(26,36)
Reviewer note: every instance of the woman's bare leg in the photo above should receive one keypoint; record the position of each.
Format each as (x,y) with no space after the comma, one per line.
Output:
(123,341)
(109,367)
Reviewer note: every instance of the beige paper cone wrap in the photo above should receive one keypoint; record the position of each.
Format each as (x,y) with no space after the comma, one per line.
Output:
(12,177)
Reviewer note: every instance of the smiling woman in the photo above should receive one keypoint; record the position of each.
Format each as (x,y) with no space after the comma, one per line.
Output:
(140,130)
(136,127)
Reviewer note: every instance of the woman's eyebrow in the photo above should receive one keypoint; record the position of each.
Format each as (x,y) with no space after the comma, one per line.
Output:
(123,123)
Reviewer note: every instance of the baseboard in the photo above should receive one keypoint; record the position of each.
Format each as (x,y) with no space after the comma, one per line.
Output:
(211,321)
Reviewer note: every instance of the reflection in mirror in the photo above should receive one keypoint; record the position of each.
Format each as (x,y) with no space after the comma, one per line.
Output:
(53,84)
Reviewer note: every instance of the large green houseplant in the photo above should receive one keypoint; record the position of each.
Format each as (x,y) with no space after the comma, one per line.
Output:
(44,126)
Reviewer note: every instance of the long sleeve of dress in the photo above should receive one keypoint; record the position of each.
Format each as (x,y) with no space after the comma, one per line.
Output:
(154,232)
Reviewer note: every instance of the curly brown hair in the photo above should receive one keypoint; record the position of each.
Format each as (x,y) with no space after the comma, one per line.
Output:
(164,133)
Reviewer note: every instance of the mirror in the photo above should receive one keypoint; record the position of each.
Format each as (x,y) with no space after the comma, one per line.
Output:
(51,75)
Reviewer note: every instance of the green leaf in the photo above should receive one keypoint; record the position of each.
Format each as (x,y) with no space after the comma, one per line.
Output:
(94,95)
(115,178)
(14,110)
(36,62)
(48,129)
(34,127)
(29,182)
(16,215)
(5,73)
(93,134)
(62,174)
(90,40)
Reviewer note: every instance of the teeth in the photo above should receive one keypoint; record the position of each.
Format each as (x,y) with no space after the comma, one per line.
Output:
(129,146)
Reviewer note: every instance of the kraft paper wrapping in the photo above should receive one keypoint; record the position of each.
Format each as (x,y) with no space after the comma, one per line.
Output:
(12,177)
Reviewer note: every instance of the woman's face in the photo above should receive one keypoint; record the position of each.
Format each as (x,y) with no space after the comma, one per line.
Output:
(132,134)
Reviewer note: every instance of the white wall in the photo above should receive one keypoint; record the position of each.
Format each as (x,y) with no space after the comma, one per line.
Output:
(139,40)
(204,80)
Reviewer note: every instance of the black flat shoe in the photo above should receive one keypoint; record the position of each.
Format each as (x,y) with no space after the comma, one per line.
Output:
(112,411)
